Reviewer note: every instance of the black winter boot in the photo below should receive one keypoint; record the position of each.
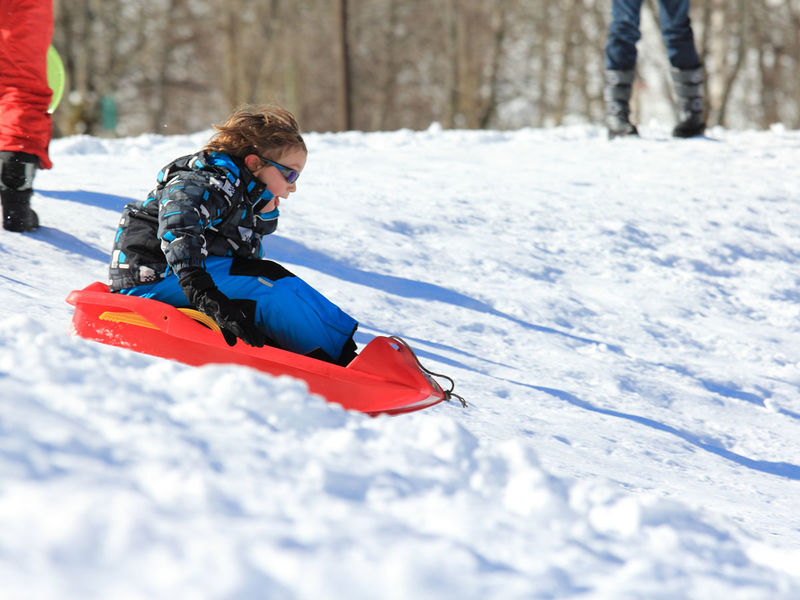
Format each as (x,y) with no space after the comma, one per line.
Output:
(689,90)
(17,212)
(16,188)
(617,94)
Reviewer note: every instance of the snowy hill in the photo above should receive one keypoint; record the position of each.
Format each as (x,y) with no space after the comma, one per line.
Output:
(623,318)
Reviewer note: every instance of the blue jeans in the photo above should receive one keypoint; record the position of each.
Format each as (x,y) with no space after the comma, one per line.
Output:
(676,27)
(292,313)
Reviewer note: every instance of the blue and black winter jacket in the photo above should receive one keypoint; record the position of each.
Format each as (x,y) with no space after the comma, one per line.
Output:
(203,205)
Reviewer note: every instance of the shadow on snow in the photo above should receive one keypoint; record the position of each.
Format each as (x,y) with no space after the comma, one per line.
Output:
(70,243)
(96,199)
(285,250)
(781,469)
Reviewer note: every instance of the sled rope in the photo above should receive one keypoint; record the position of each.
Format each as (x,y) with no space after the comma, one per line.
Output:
(448,394)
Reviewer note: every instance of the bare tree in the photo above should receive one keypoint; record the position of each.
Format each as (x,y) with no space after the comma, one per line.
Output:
(345,98)
(729,76)
(567,44)
(179,65)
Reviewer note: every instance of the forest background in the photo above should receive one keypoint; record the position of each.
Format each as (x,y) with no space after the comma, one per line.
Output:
(177,66)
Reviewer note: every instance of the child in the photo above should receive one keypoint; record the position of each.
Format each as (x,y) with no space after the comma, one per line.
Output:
(197,238)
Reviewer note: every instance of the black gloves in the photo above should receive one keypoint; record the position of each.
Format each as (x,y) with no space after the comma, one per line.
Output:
(201,293)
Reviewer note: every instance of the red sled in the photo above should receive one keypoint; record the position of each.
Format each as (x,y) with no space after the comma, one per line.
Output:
(385,378)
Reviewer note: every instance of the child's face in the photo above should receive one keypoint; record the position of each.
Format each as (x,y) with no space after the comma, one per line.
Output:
(274,179)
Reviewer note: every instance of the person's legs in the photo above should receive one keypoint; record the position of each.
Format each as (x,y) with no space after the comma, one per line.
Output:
(26,27)
(686,72)
(623,34)
(293,314)
(676,28)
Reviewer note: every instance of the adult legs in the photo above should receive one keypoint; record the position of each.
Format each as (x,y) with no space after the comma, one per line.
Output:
(623,33)
(686,72)
(26,27)
(676,28)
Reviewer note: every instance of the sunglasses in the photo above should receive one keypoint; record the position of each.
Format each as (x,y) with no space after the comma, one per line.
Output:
(290,175)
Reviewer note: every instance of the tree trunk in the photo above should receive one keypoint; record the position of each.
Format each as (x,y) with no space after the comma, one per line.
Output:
(498,37)
(452,82)
(345,103)
(571,23)
(730,78)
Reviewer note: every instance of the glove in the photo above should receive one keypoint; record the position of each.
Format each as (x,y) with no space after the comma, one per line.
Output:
(200,291)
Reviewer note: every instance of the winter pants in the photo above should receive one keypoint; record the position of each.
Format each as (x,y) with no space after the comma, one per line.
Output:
(292,313)
(26,28)
(676,28)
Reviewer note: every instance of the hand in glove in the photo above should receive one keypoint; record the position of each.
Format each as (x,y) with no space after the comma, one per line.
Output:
(200,291)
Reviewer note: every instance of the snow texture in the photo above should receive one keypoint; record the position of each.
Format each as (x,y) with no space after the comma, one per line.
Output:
(621,316)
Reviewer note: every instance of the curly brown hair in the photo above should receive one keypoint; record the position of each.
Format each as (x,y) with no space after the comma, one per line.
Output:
(269,131)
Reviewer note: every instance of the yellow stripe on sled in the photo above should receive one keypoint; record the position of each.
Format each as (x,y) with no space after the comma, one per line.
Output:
(127,317)
(131,318)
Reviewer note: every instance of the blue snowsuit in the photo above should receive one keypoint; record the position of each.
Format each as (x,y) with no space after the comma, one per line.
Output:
(201,215)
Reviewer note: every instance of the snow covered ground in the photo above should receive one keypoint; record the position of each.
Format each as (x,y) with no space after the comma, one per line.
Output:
(623,318)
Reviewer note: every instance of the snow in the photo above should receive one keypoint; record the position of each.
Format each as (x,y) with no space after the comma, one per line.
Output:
(622,318)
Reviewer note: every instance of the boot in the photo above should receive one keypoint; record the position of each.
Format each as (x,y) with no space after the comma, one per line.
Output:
(689,90)
(617,94)
(16,188)
(17,212)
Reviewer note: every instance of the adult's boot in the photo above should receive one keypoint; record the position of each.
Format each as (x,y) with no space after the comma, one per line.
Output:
(617,94)
(16,188)
(689,91)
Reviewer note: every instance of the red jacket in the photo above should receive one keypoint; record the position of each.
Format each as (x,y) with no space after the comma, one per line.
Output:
(26,29)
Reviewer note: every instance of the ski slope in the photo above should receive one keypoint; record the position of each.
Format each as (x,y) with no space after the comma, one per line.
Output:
(622,317)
